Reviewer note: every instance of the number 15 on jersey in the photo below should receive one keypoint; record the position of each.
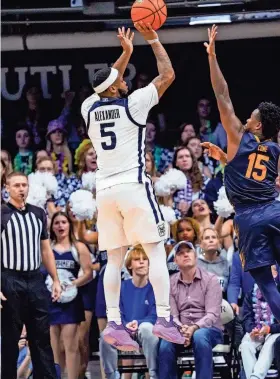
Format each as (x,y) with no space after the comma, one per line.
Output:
(256,169)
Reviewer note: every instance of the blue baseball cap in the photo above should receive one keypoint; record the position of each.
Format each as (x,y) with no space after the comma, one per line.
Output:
(183,243)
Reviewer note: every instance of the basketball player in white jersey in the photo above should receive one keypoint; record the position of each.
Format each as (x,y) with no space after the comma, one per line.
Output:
(128,212)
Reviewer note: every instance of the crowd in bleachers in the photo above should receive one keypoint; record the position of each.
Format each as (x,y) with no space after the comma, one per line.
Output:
(57,143)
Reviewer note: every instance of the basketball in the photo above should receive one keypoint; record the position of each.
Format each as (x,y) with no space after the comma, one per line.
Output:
(152,12)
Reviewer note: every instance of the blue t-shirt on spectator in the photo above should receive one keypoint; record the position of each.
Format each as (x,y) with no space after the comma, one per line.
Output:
(137,303)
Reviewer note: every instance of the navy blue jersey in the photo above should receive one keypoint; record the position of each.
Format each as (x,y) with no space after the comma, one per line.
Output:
(250,176)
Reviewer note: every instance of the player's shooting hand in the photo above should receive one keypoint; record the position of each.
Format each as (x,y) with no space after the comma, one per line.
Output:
(126,39)
(133,325)
(2,298)
(146,30)
(210,46)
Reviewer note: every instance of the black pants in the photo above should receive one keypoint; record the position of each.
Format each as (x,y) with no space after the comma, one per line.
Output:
(27,303)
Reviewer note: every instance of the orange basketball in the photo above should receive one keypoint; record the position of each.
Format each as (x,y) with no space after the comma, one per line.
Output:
(153,12)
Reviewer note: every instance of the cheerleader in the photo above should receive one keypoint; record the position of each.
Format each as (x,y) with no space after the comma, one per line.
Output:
(88,292)
(66,316)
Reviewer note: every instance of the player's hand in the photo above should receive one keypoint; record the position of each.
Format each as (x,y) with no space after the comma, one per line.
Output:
(210,46)
(133,326)
(56,290)
(2,298)
(235,307)
(213,151)
(146,30)
(126,39)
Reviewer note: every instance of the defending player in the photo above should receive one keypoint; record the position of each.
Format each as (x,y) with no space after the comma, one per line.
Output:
(250,175)
(128,212)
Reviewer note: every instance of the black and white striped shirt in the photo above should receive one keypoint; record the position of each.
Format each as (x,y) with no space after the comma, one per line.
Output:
(21,235)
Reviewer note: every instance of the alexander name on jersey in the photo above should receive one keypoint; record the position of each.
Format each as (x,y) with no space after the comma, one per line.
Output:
(107,114)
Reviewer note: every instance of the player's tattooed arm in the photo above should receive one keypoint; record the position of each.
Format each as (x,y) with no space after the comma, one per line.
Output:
(166,72)
(231,123)
(126,40)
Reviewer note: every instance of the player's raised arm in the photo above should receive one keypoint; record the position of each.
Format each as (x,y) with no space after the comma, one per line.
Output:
(231,123)
(126,40)
(166,72)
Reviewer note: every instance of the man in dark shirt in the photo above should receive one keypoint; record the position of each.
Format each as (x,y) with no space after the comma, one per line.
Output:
(25,299)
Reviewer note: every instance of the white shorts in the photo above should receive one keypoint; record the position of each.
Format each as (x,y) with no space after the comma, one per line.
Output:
(129,214)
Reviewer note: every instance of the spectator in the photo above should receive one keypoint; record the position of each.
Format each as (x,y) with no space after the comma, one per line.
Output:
(185,229)
(6,170)
(85,158)
(138,312)
(75,121)
(211,259)
(57,147)
(240,282)
(262,330)
(205,164)
(150,165)
(35,113)
(3,182)
(66,316)
(40,154)
(186,131)
(24,364)
(185,161)
(212,190)
(23,161)
(6,156)
(205,125)
(88,295)
(200,211)
(195,300)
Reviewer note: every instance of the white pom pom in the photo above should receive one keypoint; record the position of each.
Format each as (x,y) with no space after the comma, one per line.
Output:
(222,205)
(37,195)
(176,178)
(44,179)
(168,214)
(82,204)
(89,181)
(170,182)
(162,187)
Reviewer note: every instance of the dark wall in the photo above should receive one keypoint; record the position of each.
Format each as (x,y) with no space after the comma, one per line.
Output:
(251,67)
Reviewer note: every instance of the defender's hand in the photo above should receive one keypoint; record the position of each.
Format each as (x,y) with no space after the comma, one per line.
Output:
(213,151)
(210,46)
(126,39)
(146,30)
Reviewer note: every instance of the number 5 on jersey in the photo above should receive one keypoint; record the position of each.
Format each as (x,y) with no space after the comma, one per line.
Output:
(111,140)
(255,163)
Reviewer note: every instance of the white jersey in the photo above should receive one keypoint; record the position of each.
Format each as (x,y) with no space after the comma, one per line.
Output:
(117,129)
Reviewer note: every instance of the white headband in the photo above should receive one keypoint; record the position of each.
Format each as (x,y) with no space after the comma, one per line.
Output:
(108,82)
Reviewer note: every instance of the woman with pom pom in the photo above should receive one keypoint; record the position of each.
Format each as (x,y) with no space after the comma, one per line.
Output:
(185,161)
(66,316)
(88,292)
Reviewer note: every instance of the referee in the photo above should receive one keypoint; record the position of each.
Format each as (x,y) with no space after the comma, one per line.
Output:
(25,299)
